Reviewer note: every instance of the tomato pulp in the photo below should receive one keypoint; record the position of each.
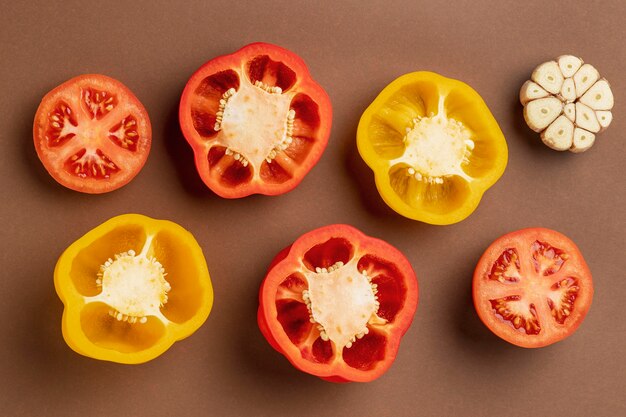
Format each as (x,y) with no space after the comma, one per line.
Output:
(336,303)
(92,134)
(256,120)
(532,287)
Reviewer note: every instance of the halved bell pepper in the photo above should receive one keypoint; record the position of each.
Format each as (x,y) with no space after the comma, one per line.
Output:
(433,145)
(336,304)
(131,288)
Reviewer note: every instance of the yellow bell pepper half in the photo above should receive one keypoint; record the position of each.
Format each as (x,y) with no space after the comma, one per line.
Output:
(131,288)
(433,145)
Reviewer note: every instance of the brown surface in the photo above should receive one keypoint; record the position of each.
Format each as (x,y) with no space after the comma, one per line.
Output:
(449,363)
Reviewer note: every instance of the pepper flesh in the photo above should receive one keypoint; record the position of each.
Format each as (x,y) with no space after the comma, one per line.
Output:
(433,145)
(132,287)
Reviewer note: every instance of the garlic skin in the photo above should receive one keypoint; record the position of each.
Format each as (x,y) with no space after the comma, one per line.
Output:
(568,103)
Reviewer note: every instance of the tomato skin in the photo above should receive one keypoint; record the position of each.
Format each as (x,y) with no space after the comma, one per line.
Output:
(68,92)
(237,61)
(289,260)
(573,266)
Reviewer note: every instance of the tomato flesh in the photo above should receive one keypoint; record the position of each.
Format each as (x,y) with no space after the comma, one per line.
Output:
(256,121)
(84,165)
(532,287)
(336,304)
(92,134)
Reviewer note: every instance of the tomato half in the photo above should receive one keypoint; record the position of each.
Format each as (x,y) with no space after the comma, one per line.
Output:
(532,287)
(256,120)
(336,303)
(92,134)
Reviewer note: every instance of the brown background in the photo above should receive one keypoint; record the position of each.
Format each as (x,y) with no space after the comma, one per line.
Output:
(449,363)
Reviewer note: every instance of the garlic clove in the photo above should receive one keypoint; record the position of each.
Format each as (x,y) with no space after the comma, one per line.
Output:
(604,118)
(570,111)
(531,91)
(586,118)
(559,135)
(568,91)
(584,78)
(583,140)
(549,76)
(569,64)
(599,96)
(541,112)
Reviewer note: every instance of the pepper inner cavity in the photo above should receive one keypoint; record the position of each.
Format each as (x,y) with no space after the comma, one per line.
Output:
(341,301)
(256,123)
(134,286)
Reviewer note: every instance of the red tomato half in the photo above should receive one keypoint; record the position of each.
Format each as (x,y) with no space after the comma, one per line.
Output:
(532,287)
(92,134)
(256,120)
(336,303)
